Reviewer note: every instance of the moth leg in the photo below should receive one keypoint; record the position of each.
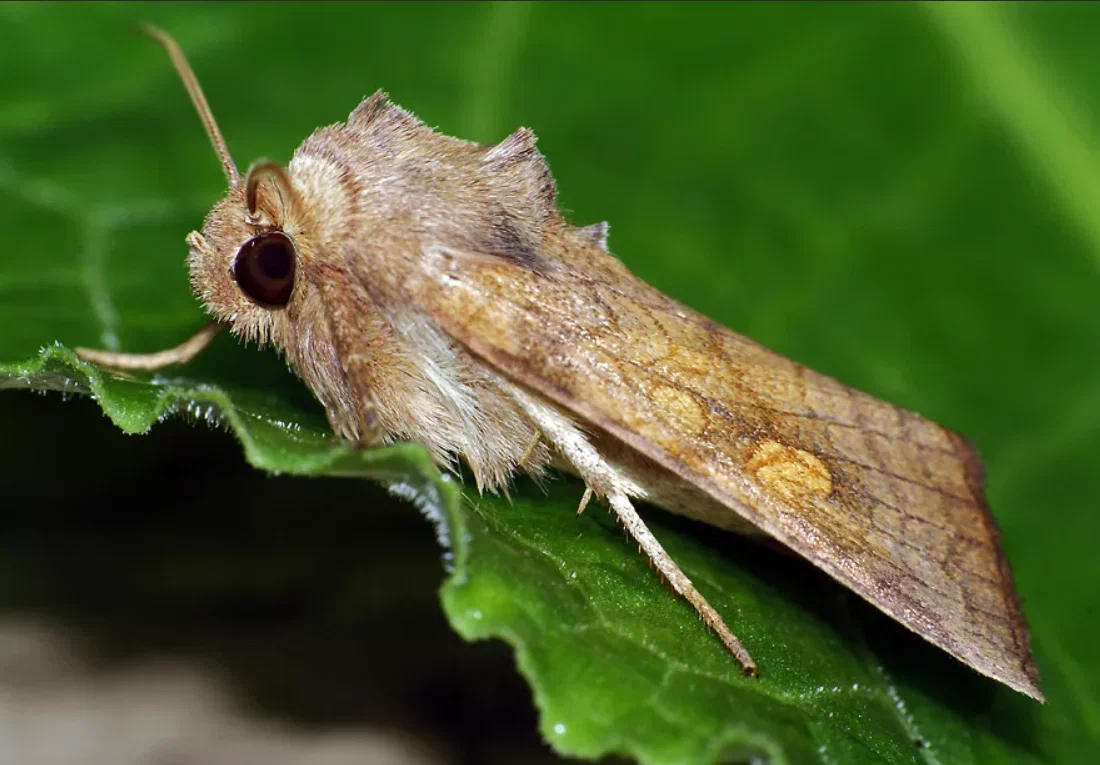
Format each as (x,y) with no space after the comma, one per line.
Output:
(623,508)
(151,362)
(372,429)
(604,479)
(536,436)
(585,498)
(369,433)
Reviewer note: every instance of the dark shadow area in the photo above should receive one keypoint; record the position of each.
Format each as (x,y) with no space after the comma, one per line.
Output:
(317,599)
(982,702)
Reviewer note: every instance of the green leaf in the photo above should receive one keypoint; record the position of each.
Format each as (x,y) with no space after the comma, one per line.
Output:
(905,197)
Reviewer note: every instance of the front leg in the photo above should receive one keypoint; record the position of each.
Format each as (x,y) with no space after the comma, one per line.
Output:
(152,362)
(370,431)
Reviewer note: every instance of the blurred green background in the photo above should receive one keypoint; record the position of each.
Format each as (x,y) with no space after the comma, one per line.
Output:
(906,197)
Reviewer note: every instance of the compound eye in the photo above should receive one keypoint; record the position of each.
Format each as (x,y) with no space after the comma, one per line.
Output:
(264,268)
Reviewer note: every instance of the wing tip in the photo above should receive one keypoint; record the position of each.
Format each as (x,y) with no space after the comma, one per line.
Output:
(1026,678)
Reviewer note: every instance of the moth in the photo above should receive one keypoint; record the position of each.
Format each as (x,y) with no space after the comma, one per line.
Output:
(427,288)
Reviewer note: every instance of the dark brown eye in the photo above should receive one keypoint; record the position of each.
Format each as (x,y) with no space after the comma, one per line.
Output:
(264,268)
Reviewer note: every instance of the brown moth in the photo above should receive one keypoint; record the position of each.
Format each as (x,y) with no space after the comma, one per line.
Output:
(426,288)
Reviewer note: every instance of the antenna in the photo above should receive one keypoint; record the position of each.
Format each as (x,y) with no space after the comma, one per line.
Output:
(197,98)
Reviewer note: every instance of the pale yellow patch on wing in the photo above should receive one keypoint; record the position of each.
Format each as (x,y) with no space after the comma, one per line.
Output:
(789,472)
(681,406)
(649,348)
(693,362)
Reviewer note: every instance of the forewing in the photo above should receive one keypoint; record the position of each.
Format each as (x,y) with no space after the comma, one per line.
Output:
(885,501)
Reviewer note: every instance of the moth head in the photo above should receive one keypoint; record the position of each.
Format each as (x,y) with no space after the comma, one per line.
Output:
(246,265)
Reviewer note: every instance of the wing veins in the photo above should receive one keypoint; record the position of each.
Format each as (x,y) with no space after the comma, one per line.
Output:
(907,574)
(872,500)
(720,409)
(921,553)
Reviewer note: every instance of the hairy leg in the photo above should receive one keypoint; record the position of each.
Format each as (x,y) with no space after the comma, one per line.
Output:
(602,478)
